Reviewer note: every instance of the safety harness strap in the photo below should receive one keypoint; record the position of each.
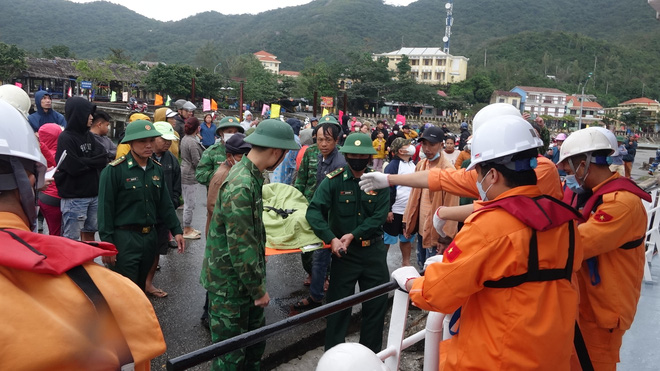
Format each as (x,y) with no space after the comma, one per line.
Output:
(81,278)
(534,274)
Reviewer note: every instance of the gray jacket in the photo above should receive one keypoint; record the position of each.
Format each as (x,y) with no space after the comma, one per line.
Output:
(190,150)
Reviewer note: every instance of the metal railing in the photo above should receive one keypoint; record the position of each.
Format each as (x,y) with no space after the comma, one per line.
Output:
(249,338)
(391,355)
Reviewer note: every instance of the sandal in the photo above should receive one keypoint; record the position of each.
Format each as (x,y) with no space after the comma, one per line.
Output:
(157,293)
(307,303)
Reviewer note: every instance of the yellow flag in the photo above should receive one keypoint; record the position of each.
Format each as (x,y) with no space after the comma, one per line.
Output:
(274,111)
(325,112)
(214,105)
(159,100)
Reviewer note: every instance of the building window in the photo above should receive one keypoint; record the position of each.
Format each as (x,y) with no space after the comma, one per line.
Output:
(501,100)
(426,75)
(428,62)
(414,62)
(440,76)
(515,103)
(441,62)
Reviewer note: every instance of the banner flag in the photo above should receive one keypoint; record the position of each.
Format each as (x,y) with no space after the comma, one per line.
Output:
(167,103)
(214,105)
(113,96)
(401,119)
(264,109)
(275,111)
(206,105)
(159,100)
(325,112)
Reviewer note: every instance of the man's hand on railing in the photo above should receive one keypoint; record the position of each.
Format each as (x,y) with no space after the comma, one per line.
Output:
(403,275)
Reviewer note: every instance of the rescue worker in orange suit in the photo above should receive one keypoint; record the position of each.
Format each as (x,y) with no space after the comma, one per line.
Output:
(461,182)
(614,233)
(510,268)
(60,310)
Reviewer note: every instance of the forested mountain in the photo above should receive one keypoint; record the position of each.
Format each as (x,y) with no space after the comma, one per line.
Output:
(325,29)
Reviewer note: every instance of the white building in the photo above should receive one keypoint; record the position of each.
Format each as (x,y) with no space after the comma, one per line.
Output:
(542,101)
(429,65)
(269,61)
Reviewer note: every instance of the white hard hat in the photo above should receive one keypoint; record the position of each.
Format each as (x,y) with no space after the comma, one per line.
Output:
(586,141)
(501,137)
(17,97)
(492,111)
(20,148)
(350,357)
(610,135)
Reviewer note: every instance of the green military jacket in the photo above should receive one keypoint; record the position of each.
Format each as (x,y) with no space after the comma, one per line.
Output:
(211,159)
(129,195)
(306,179)
(339,207)
(234,263)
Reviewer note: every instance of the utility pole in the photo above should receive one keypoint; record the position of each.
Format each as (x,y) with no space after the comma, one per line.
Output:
(582,100)
(450,20)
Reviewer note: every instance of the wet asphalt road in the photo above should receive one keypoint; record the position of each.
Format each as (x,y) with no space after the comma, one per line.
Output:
(180,312)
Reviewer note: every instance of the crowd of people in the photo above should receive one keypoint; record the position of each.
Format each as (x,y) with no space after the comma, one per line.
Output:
(524,262)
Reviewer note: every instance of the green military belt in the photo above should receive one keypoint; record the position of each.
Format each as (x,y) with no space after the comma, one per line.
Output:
(365,243)
(144,229)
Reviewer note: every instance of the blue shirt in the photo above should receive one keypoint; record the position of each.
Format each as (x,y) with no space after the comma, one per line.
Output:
(208,134)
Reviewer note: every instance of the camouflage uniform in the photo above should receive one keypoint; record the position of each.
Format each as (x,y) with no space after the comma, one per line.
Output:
(306,184)
(209,163)
(234,267)
(306,180)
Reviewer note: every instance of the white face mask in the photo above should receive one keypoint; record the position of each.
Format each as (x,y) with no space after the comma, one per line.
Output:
(482,193)
(227,136)
(411,151)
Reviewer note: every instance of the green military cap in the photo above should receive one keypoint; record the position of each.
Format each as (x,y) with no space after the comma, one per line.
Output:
(620,138)
(398,143)
(229,122)
(359,144)
(328,118)
(273,133)
(140,129)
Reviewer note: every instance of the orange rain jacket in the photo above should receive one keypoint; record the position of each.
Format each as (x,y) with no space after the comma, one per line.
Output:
(614,235)
(464,183)
(47,321)
(529,326)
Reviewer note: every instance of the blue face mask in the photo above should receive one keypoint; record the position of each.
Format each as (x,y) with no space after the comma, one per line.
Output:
(480,188)
(573,185)
(435,157)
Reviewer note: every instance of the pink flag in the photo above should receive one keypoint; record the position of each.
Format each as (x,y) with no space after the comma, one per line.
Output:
(341,114)
(18,84)
(264,109)
(70,93)
(401,119)
(206,105)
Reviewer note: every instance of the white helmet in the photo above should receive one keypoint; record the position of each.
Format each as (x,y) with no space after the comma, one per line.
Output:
(492,111)
(19,147)
(610,135)
(17,97)
(500,138)
(586,141)
(350,357)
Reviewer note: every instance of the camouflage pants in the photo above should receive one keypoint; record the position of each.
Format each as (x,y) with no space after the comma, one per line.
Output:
(229,317)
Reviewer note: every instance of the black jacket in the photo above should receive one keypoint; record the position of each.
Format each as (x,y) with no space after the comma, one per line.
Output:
(78,175)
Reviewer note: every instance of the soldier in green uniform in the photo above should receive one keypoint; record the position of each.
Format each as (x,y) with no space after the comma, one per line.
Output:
(351,221)
(216,154)
(132,195)
(234,266)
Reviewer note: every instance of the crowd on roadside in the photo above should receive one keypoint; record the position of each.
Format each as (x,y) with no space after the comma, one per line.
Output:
(493,224)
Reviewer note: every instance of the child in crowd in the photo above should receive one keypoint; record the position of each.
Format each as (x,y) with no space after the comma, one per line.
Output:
(381,148)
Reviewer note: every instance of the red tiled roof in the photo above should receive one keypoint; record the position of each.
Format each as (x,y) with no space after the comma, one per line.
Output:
(263,55)
(641,101)
(290,73)
(585,104)
(504,93)
(540,90)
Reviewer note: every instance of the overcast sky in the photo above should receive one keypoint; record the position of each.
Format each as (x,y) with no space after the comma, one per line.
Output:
(174,10)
